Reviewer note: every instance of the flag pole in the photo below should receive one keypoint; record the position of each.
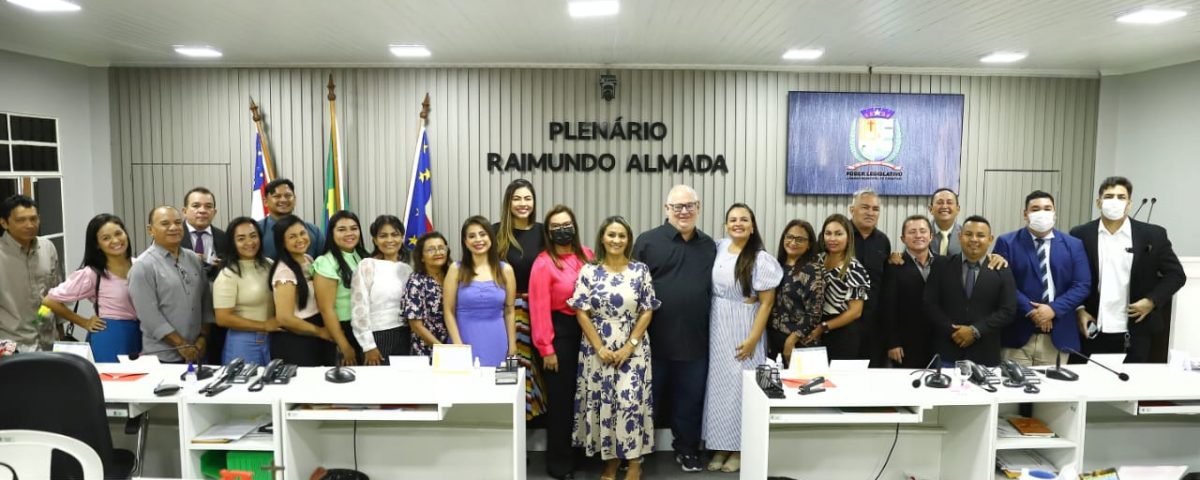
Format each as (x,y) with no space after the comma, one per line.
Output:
(257,117)
(424,112)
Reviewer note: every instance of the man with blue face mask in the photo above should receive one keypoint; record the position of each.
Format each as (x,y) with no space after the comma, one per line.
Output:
(1051,271)
(1135,270)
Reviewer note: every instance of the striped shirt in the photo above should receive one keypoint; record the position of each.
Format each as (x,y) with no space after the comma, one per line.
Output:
(841,289)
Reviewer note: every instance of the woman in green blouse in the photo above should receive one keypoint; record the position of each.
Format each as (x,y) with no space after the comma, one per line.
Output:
(334,270)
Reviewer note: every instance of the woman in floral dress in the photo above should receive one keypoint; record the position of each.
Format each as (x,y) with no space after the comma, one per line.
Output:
(614,300)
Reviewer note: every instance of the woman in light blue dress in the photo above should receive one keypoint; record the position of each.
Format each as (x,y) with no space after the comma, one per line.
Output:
(744,277)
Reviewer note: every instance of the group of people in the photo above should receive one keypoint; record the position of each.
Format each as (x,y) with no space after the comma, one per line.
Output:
(660,325)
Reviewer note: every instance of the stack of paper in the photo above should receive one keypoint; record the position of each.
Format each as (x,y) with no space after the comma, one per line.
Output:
(1010,462)
(231,431)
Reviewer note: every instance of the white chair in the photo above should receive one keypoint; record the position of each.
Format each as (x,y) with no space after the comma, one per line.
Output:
(26,453)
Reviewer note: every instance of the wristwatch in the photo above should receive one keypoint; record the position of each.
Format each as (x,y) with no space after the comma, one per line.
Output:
(825,325)
(634,342)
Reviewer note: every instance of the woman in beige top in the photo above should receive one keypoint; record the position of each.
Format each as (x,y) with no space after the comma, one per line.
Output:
(241,299)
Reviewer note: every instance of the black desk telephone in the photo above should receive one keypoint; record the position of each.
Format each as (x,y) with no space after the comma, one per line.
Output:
(978,374)
(276,373)
(1018,376)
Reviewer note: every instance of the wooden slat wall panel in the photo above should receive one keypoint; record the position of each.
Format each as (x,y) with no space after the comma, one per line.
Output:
(175,128)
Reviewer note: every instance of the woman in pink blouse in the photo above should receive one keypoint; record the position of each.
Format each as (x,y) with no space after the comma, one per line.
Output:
(107,256)
(556,332)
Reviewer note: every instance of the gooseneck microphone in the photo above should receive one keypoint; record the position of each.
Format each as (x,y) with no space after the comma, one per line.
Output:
(932,379)
(1121,375)
(1060,373)
(1139,209)
(1150,214)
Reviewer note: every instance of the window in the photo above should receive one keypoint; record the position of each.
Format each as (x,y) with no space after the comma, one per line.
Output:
(29,165)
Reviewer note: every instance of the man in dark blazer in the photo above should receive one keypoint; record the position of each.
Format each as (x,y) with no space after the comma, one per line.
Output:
(967,303)
(1135,271)
(1052,277)
(908,333)
(199,209)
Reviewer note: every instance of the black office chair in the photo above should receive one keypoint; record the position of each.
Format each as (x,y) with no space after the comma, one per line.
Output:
(60,393)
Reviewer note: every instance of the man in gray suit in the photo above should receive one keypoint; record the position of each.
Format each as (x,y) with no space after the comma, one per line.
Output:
(943,208)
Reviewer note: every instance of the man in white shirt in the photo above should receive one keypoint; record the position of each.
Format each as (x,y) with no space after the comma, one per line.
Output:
(1135,271)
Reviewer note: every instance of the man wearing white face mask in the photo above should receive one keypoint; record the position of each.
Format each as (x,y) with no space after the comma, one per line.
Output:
(1051,271)
(1135,271)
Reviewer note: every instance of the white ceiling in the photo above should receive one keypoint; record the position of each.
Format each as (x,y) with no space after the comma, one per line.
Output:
(1073,37)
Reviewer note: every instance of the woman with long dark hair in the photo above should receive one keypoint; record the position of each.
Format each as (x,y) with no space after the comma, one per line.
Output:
(556,331)
(800,294)
(423,298)
(614,301)
(102,279)
(377,293)
(304,340)
(744,278)
(334,272)
(847,286)
(242,297)
(479,293)
(519,240)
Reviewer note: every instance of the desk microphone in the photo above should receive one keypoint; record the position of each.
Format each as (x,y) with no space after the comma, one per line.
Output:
(339,374)
(1139,209)
(1060,373)
(202,372)
(933,379)
(1121,375)
(1151,212)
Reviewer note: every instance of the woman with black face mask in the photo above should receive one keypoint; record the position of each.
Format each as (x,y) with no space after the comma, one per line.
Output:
(556,332)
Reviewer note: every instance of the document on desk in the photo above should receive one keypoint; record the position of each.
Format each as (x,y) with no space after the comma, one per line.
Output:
(1151,473)
(231,431)
(450,358)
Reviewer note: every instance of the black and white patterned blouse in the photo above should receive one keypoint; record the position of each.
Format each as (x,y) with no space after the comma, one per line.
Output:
(840,289)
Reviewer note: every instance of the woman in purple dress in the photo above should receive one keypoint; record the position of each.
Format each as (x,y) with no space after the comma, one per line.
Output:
(479,295)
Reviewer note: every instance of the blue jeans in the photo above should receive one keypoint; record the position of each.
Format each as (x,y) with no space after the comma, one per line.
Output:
(119,337)
(249,346)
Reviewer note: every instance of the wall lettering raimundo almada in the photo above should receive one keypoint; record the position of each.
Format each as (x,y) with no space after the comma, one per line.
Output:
(607,131)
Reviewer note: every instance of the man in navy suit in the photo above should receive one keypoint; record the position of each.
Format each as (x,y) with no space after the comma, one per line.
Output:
(1135,270)
(1051,271)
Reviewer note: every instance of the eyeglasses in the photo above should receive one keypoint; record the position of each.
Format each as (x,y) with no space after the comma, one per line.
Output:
(795,239)
(184,278)
(681,207)
(283,196)
(436,250)
(562,226)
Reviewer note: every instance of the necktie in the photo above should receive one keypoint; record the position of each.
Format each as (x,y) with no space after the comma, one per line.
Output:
(969,283)
(198,245)
(1043,253)
(944,244)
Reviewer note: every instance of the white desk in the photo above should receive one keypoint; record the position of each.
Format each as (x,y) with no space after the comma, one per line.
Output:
(951,433)
(461,424)
(452,426)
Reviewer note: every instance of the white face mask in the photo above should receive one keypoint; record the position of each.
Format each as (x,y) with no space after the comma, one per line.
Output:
(1041,221)
(1113,208)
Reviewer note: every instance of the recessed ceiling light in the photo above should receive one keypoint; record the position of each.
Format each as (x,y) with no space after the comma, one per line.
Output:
(47,5)
(410,51)
(803,54)
(593,8)
(198,52)
(1151,16)
(1004,57)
